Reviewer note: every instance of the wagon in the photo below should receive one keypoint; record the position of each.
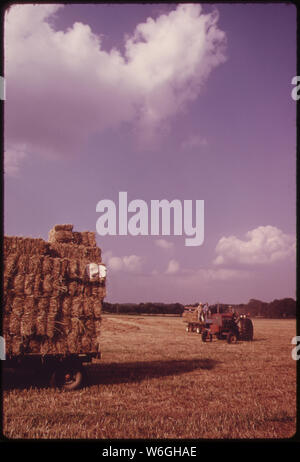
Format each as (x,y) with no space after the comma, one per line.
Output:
(60,371)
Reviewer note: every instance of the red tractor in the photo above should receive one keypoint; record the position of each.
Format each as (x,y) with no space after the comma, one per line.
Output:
(226,324)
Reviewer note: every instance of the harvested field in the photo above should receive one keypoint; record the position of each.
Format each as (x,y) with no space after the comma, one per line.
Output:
(158,381)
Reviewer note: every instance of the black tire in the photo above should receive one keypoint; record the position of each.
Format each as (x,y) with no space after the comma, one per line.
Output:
(232,337)
(246,329)
(204,335)
(67,377)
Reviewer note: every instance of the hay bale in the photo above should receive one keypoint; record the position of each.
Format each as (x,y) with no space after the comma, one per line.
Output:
(74,268)
(77,310)
(50,306)
(41,318)
(16,315)
(67,227)
(27,325)
(35,264)
(29,281)
(47,265)
(48,284)
(11,265)
(18,283)
(77,238)
(61,233)
(53,310)
(38,286)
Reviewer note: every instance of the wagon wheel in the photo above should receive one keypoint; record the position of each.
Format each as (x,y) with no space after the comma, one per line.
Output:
(206,336)
(232,337)
(246,329)
(67,377)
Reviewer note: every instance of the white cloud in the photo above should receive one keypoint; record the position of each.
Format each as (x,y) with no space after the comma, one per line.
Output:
(265,244)
(130,263)
(62,87)
(194,142)
(173,267)
(163,244)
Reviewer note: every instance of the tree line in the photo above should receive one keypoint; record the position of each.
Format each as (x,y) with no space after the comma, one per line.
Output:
(283,308)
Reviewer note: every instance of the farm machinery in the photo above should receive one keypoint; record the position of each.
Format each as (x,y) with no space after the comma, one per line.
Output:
(220,321)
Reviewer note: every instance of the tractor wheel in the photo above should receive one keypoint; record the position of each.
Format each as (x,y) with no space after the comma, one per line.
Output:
(246,329)
(67,378)
(232,337)
(206,336)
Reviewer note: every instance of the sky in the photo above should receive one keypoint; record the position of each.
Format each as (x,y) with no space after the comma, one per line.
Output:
(165,102)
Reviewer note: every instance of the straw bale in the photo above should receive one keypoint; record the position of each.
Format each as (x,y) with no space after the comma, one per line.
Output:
(59,287)
(41,318)
(48,284)
(29,283)
(74,268)
(23,263)
(64,269)
(60,236)
(47,265)
(85,238)
(27,326)
(77,238)
(18,284)
(35,264)
(72,251)
(77,307)
(86,344)
(67,227)
(50,306)
(72,288)
(88,307)
(11,265)
(56,269)
(92,239)
(38,286)
(53,310)
(73,338)
(16,315)
(16,345)
(21,245)
(97,308)
(66,307)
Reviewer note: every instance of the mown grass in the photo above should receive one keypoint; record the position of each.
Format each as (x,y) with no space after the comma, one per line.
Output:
(158,381)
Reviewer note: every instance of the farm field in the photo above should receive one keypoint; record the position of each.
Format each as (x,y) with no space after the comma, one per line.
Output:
(156,381)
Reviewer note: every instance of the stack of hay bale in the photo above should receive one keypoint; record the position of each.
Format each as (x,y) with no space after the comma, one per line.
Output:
(50,304)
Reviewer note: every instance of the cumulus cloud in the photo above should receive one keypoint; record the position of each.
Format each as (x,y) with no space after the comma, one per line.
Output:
(263,245)
(163,244)
(62,86)
(194,142)
(173,267)
(130,263)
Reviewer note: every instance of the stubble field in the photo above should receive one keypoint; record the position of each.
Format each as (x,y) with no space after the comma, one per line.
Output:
(156,381)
